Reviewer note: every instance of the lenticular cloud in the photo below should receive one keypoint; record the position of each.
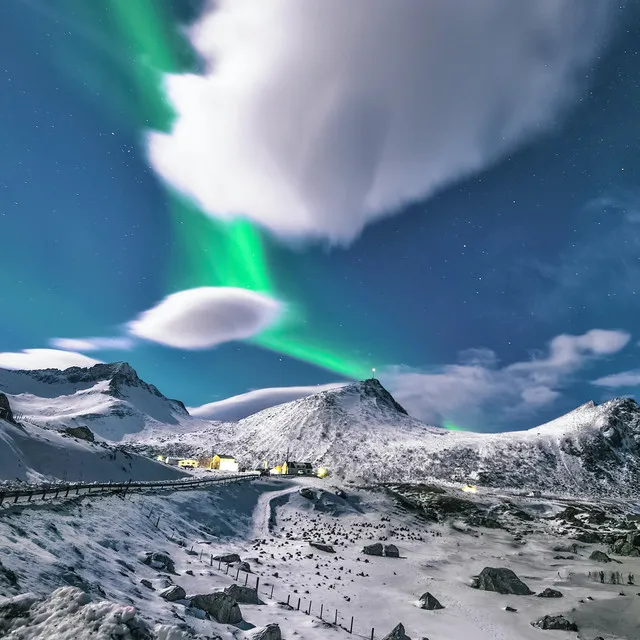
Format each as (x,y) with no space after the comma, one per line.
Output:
(315,117)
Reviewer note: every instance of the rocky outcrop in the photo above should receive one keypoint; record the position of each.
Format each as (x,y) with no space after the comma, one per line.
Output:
(220,606)
(550,593)
(5,409)
(307,493)
(397,634)
(227,558)
(82,433)
(373,549)
(321,546)
(270,632)
(159,560)
(555,623)
(391,551)
(243,595)
(173,593)
(502,581)
(429,602)
(599,556)
(627,545)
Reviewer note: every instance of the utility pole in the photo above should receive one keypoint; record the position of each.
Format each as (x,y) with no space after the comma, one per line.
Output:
(373,373)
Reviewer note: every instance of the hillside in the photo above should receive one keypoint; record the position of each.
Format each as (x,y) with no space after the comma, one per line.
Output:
(359,431)
(110,399)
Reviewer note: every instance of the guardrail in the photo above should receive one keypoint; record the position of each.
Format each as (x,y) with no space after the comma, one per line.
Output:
(38,493)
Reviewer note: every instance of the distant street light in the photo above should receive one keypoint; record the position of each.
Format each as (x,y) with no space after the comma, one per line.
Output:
(373,371)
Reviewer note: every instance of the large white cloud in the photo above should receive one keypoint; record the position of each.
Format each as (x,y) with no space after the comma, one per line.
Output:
(44,359)
(206,316)
(617,380)
(469,392)
(246,404)
(315,117)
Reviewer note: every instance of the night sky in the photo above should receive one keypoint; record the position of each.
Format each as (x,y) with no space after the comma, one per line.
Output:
(454,298)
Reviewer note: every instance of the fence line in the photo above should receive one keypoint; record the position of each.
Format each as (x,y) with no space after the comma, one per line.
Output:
(294,601)
(9,497)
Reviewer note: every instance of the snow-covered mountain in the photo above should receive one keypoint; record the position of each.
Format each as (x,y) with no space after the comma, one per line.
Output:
(359,431)
(110,399)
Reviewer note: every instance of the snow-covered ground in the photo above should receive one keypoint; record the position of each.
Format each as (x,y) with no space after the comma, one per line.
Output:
(98,546)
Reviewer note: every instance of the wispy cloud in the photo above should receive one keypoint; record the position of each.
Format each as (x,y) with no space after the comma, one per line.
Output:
(622,379)
(316,117)
(87,345)
(44,359)
(472,392)
(246,404)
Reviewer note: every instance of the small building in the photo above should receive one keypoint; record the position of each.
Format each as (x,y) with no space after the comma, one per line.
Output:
(188,463)
(224,463)
(290,468)
(173,461)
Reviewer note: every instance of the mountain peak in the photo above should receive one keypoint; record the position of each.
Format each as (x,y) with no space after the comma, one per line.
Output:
(372,389)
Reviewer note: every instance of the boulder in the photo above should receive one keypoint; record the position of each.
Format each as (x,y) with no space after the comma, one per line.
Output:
(16,607)
(397,634)
(270,632)
(220,606)
(160,560)
(555,623)
(243,595)
(373,549)
(550,593)
(82,433)
(599,556)
(147,583)
(510,609)
(245,566)
(173,593)
(428,602)
(627,545)
(391,551)
(307,493)
(227,558)
(502,581)
(322,547)
(5,409)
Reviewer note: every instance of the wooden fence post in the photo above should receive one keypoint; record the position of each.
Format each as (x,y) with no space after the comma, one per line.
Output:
(211,560)
(271,596)
(158,522)
(288,598)
(237,574)
(257,582)
(321,610)
(310,605)
(227,571)
(298,607)
(351,627)
(246,579)
(372,632)
(336,618)
(219,564)
(201,552)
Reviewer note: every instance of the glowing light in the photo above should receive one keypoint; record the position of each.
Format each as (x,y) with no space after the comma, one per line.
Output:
(470,488)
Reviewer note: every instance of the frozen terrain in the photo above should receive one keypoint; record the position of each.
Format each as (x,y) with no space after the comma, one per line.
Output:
(270,524)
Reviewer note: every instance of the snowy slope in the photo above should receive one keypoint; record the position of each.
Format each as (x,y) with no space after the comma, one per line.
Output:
(32,454)
(108,398)
(359,431)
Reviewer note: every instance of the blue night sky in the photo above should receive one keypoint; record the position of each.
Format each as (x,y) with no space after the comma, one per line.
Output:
(460,297)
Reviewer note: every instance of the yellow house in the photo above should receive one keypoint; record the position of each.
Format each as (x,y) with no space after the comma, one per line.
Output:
(188,463)
(224,463)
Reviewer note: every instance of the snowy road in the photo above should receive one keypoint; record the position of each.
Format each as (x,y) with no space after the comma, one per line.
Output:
(263,510)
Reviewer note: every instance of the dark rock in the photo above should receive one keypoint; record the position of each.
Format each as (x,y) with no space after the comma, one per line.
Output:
(511,609)
(245,566)
(228,558)
(220,606)
(5,409)
(373,549)
(397,634)
(160,560)
(341,494)
(428,602)
(558,622)
(270,632)
(550,593)
(305,492)
(322,547)
(147,583)
(243,595)
(173,593)
(502,581)
(391,551)
(82,433)
(599,556)
(9,575)
(627,545)
(16,607)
